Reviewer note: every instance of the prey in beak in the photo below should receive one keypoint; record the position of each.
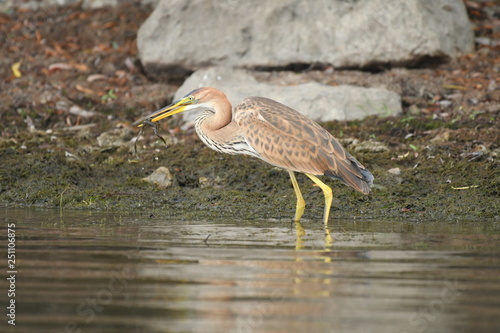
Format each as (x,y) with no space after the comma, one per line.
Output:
(146,121)
(167,111)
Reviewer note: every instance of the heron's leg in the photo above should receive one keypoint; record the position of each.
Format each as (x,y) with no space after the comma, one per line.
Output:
(328,239)
(299,236)
(328,196)
(301,204)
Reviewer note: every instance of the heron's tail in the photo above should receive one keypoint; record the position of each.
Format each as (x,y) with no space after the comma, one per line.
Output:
(353,174)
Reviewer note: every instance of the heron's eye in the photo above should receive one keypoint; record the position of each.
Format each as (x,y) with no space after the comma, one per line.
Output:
(191,98)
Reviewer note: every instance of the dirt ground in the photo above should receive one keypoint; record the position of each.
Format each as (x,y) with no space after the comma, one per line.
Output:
(71,85)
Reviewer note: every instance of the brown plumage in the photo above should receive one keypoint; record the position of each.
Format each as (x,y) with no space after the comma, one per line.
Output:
(275,133)
(285,138)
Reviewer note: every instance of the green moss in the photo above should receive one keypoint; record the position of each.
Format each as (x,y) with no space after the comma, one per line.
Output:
(37,171)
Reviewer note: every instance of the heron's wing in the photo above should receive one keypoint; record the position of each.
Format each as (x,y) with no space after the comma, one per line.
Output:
(287,139)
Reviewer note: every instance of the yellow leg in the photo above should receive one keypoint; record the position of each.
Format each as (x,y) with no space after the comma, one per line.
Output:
(301,204)
(328,196)
(299,236)
(328,240)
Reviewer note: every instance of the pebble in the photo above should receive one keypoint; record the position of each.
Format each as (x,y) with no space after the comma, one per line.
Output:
(161,177)
(394,171)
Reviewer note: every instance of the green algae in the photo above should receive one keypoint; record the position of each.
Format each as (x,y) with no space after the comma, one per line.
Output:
(442,180)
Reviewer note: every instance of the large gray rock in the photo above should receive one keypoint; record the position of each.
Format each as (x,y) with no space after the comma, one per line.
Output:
(317,101)
(190,35)
(6,5)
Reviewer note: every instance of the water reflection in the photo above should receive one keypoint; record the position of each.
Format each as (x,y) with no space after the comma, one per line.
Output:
(97,272)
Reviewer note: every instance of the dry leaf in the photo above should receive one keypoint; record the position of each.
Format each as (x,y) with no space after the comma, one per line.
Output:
(96,77)
(465,187)
(109,25)
(38,36)
(16,26)
(4,18)
(15,69)
(80,67)
(87,90)
(66,66)
(59,66)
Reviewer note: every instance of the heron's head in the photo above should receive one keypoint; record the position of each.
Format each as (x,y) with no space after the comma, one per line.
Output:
(198,98)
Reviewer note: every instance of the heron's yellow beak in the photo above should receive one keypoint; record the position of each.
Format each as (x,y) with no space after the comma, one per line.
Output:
(165,112)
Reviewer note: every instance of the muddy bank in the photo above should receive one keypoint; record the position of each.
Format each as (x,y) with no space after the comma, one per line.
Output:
(438,161)
(443,173)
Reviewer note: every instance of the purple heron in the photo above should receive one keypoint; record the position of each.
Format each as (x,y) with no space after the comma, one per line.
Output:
(273,132)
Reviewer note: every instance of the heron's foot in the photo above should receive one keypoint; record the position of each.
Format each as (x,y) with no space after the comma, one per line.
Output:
(327,191)
(155,129)
(299,236)
(299,209)
(301,204)
(328,238)
(135,142)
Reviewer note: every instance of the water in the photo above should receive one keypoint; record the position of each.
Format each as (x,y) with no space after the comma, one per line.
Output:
(103,272)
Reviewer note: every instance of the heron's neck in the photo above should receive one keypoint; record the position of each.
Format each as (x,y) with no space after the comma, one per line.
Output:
(217,127)
(215,121)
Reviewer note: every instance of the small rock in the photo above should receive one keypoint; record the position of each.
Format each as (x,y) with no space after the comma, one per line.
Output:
(483,41)
(445,103)
(478,152)
(370,147)
(394,171)
(348,141)
(456,97)
(78,111)
(414,110)
(494,156)
(210,182)
(205,182)
(46,97)
(71,157)
(161,177)
(31,125)
(474,101)
(441,138)
(115,138)
(93,4)
(62,106)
